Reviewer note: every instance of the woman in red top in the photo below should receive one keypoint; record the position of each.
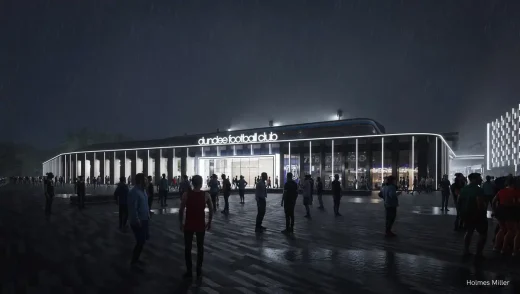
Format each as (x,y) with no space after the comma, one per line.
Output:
(503,207)
(195,201)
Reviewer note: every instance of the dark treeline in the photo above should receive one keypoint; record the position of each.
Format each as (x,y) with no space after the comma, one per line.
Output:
(25,160)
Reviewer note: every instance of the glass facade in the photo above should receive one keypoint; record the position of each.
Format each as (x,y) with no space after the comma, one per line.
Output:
(361,162)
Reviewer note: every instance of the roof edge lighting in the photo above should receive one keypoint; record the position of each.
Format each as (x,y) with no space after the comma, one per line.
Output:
(291,140)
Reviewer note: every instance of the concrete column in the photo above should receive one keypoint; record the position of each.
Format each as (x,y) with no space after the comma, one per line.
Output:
(102,167)
(157,156)
(302,150)
(112,159)
(184,154)
(122,158)
(92,158)
(169,154)
(62,165)
(281,172)
(75,167)
(394,145)
(322,161)
(146,161)
(344,154)
(133,157)
(370,158)
(84,166)
(421,147)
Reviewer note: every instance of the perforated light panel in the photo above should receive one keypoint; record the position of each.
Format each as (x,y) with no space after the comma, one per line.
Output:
(503,140)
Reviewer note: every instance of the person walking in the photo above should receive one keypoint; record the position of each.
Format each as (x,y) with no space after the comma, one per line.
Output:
(489,189)
(456,187)
(473,211)
(307,195)
(163,190)
(311,180)
(390,196)
(121,197)
(319,191)
(290,194)
(185,185)
(81,190)
(226,190)
(336,194)
(195,202)
(214,188)
(445,191)
(242,189)
(139,214)
(261,202)
(49,194)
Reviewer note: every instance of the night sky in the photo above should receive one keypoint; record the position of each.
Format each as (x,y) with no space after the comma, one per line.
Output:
(153,69)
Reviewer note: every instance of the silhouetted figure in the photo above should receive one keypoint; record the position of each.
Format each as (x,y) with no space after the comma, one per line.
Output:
(290,194)
(390,196)
(307,195)
(319,191)
(163,190)
(242,188)
(456,187)
(261,202)
(445,191)
(121,197)
(336,194)
(489,189)
(473,212)
(139,214)
(81,190)
(214,189)
(49,194)
(185,185)
(312,188)
(226,190)
(195,201)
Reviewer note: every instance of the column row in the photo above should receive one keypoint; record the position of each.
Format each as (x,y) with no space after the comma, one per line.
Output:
(110,166)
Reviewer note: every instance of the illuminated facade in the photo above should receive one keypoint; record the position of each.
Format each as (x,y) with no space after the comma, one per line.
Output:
(503,143)
(358,150)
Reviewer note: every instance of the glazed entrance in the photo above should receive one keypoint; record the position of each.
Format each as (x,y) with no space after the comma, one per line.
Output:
(247,166)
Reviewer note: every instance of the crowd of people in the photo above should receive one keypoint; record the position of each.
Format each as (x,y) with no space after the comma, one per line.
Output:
(471,195)
(135,204)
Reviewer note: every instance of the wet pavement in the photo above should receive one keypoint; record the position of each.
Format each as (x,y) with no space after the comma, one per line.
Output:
(84,252)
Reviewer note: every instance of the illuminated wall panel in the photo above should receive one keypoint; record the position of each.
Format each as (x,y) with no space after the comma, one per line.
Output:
(503,140)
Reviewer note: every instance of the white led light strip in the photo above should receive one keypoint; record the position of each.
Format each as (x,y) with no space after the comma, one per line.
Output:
(452,153)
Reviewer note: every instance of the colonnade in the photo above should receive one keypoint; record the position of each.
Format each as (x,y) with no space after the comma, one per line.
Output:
(116,164)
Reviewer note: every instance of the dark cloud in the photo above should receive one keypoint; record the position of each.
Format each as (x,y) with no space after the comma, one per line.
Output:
(161,68)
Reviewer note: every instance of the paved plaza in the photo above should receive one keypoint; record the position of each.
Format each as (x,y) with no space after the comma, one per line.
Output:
(84,252)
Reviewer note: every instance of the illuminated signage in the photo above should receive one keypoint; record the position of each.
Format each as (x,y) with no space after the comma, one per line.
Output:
(254,138)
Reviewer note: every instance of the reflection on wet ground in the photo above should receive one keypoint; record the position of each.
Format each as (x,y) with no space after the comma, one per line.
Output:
(171,210)
(326,254)
(438,211)
(362,199)
(67,196)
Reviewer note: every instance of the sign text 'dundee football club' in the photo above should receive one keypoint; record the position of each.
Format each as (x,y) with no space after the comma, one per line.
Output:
(254,138)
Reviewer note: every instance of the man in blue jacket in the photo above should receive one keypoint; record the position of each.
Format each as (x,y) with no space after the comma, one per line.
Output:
(389,194)
(139,214)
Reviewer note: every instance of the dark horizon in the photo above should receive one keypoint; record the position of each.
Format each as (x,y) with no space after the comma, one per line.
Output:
(165,68)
